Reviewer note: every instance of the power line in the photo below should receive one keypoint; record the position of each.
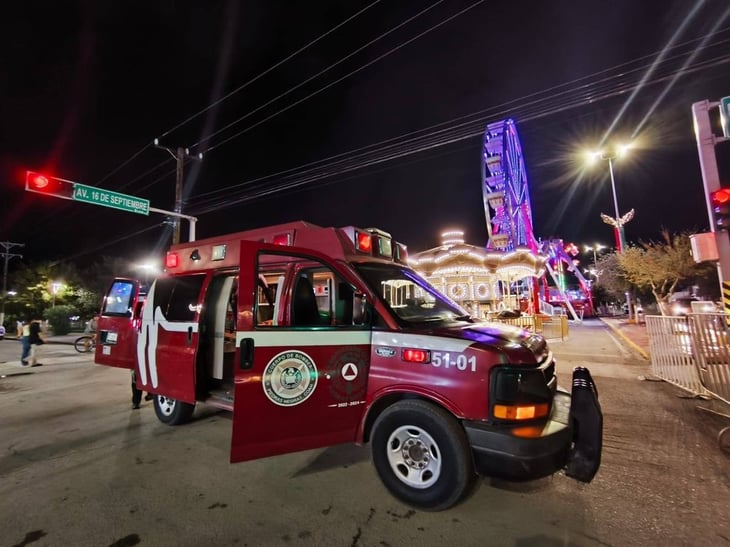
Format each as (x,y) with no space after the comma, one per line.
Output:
(425,144)
(241,87)
(338,80)
(318,74)
(274,66)
(521,101)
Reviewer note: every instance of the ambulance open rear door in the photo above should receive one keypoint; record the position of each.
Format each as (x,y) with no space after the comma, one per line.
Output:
(118,324)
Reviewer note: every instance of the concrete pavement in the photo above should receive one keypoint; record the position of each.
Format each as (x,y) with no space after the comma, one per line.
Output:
(633,334)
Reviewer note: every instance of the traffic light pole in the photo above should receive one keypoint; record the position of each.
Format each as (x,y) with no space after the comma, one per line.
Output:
(706,141)
(7,255)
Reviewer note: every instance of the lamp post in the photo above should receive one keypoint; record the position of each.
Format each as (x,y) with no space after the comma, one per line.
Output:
(596,247)
(55,287)
(618,221)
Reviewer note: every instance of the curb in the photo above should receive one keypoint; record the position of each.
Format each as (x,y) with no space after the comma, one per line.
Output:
(645,354)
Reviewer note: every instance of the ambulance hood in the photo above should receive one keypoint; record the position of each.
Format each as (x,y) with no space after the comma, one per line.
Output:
(518,346)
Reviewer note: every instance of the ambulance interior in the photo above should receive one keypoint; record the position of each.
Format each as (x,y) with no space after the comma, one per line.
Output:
(319,298)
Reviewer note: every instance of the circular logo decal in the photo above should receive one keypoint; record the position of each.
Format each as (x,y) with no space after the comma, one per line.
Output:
(290,378)
(348,369)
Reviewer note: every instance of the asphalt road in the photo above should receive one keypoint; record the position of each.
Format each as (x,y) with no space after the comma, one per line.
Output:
(79,467)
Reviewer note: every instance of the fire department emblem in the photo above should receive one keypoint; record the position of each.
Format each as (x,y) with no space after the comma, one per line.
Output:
(290,378)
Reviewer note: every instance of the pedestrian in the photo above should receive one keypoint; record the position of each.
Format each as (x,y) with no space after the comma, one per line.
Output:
(36,341)
(24,336)
(91,326)
(137,393)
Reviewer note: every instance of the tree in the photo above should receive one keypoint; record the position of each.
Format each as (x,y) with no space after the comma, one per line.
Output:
(661,265)
(58,318)
(612,284)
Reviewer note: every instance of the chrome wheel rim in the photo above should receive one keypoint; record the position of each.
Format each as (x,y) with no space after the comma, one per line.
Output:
(414,456)
(166,406)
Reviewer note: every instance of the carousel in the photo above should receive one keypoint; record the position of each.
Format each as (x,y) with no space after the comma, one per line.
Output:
(484,282)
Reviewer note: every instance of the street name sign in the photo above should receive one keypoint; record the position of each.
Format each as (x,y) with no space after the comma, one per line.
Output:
(107,198)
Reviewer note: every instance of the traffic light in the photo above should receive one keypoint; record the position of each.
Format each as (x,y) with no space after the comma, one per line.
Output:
(52,186)
(721,208)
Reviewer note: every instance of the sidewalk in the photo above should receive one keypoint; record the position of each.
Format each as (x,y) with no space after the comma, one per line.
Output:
(635,335)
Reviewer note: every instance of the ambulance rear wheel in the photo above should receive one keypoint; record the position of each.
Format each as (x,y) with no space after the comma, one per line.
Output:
(422,455)
(172,412)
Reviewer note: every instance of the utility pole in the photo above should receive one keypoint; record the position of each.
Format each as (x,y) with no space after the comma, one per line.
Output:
(179,155)
(7,255)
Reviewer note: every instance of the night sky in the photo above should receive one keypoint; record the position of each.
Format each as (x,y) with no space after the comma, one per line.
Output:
(87,86)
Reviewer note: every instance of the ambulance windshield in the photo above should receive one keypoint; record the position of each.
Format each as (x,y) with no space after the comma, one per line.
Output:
(410,297)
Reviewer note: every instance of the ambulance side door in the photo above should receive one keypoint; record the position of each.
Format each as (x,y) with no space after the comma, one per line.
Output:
(118,325)
(168,340)
(303,362)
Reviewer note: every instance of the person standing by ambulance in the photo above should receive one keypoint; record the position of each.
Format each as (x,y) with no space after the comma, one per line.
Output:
(137,393)
(36,341)
(24,335)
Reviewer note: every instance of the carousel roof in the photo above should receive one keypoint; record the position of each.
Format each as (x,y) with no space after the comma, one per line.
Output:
(459,258)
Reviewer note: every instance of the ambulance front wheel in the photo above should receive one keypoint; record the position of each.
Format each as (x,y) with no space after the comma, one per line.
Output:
(172,412)
(422,455)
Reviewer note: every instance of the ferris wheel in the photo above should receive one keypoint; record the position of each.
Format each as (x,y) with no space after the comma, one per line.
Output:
(505,190)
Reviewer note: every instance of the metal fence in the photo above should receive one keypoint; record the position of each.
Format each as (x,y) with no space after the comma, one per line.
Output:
(711,338)
(692,352)
(551,327)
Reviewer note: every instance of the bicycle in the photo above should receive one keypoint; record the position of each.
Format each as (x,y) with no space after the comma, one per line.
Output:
(85,343)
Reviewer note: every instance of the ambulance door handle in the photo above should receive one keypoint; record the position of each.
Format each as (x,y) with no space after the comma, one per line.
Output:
(190,335)
(246,351)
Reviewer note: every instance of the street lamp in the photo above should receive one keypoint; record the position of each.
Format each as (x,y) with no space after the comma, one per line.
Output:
(55,288)
(149,269)
(618,221)
(596,247)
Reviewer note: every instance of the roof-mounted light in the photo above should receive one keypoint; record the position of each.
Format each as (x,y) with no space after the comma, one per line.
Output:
(363,242)
(218,252)
(172,260)
(282,239)
(401,253)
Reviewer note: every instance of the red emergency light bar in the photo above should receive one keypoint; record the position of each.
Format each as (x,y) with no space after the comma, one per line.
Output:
(363,242)
(282,239)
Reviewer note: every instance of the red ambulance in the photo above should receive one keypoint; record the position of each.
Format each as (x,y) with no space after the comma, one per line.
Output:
(317,336)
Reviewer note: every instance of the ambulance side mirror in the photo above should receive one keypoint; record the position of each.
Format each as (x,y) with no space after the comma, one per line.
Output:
(360,309)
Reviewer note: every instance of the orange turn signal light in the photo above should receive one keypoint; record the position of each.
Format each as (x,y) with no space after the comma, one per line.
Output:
(521,412)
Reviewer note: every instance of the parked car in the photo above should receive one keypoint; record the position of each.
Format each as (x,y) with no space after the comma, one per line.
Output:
(683,306)
(2,332)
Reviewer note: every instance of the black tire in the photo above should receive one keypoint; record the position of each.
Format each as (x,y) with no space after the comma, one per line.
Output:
(84,344)
(172,412)
(422,455)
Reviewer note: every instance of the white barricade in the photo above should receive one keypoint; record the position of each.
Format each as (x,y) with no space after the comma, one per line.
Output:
(671,349)
(711,339)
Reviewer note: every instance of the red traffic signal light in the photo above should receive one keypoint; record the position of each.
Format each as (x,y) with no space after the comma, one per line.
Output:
(38,182)
(721,208)
(52,186)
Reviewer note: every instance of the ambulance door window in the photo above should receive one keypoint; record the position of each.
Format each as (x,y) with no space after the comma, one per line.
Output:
(118,301)
(319,297)
(179,297)
(268,296)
